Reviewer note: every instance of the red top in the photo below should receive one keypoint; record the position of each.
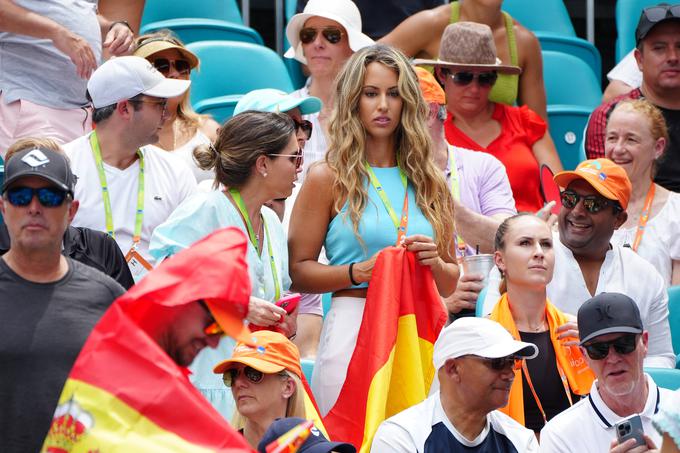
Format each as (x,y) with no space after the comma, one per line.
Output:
(520,129)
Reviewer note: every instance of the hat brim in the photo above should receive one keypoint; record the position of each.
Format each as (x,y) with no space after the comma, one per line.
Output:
(517,348)
(8,182)
(617,329)
(564,178)
(231,323)
(148,49)
(253,362)
(357,40)
(168,88)
(504,69)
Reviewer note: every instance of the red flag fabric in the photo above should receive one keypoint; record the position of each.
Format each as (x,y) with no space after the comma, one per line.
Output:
(124,392)
(391,368)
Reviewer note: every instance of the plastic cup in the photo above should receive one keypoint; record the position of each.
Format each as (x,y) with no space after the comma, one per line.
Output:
(478,264)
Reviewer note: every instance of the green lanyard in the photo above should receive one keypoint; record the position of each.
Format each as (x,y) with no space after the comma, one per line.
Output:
(106,197)
(400,225)
(240,205)
(455,191)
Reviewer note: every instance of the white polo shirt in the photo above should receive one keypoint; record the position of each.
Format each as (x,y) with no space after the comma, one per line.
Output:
(425,428)
(167,182)
(623,271)
(589,424)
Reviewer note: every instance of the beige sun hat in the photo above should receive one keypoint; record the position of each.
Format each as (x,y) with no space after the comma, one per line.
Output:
(344,12)
(468,45)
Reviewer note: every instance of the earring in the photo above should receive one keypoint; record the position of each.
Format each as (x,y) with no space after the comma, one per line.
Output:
(264,173)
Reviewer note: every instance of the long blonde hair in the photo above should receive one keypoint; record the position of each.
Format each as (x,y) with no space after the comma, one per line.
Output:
(347,142)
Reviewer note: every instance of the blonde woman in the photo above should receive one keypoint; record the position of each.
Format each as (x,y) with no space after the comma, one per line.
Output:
(378,166)
(184,129)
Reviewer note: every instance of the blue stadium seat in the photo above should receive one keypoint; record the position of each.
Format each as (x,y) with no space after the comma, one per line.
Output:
(547,15)
(192,30)
(307,368)
(674,318)
(667,378)
(294,67)
(570,81)
(221,108)
(627,17)
(567,124)
(233,68)
(573,46)
(157,10)
(326,302)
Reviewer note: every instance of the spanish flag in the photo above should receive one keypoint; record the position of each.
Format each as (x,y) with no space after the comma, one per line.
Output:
(125,393)
(391,368)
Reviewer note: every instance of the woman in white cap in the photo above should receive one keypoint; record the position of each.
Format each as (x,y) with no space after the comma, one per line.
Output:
(636,138)
(184,129)
(517,136)
(419,36)
(323,37)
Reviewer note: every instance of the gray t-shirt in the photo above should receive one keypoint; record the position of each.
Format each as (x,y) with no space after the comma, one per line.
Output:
(34,70)
(43,326)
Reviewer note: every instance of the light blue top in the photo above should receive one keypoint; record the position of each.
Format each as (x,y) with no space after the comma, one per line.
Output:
(194,219)
(375,226)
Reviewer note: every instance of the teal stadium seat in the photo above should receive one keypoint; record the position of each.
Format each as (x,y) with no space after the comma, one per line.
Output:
(627,17)
(158,10)
(229,69)
(573,46)
(674,319)
(549,16)
(326,302)
(294,67)
(570,81)
(567,124)
(199,29)
(667,378)
(307,368)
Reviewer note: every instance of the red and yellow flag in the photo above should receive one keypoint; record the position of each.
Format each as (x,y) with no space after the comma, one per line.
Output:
(124,392)
(292,440)
(391,368)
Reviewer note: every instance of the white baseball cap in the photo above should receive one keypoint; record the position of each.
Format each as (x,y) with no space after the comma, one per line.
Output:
(344,12)
(481,337)
(125,77)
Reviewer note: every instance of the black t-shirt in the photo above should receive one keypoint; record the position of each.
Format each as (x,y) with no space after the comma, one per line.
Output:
(546,380)
(668,167)
(43,328)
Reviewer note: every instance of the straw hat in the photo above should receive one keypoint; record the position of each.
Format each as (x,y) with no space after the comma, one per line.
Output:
(148,47)
(344,12)
(468,45)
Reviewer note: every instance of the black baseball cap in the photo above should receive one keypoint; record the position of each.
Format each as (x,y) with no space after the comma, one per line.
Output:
(315,443)
(653,16)
(608,313)
(41,162)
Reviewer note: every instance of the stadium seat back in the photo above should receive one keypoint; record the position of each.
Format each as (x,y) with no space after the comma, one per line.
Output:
(547,15)
(567,124)
(570,81)
(192,30)
(667,378)
(573,46)
(157,10)
(627,17)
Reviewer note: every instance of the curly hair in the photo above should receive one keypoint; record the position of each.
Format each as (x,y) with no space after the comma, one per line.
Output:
(347,142)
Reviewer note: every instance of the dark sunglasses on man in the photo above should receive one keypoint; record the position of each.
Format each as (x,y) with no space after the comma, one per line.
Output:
(49,197)
(465,78)
(592,203)
(599,350)
(332,34)
(501,363)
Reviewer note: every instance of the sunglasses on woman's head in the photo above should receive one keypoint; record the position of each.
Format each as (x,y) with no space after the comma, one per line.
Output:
(297,156)
(484,79)
(623,345)
(49,197)
(592,203)
(183,67)
(305,126)
(332,34)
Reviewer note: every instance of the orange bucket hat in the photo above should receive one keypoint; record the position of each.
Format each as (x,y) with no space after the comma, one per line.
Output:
(609,179)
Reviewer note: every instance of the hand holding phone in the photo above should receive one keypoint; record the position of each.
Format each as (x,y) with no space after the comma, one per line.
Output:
(630,428)
(289,302)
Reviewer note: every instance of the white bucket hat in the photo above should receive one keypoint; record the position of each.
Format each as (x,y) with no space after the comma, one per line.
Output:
(344,12)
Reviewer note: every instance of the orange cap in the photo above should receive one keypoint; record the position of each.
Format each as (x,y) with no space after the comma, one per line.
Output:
(272,353)
(609,179)
(432,91)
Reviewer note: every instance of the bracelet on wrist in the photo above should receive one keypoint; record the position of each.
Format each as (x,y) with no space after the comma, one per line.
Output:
(351,276)
(124,22)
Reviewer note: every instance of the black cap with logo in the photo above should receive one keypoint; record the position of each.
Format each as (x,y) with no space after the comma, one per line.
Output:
(44,163)
(608,313)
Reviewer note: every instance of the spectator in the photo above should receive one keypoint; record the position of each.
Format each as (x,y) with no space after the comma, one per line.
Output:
(657,37)
(315,443)
(614,344)
(323,37)
(517,136)
(379,145)
(636,139)
(48,49)
(420,36)
(558,377)
(266,381)
(475,358)
(126,188)
(184,129)
(94,248)
(310,316)
(255,159)
(48,303)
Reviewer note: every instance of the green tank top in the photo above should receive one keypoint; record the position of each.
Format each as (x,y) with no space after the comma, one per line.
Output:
(505,88)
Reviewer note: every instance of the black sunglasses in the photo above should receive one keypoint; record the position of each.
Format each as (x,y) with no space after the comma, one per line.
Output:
(625,344)
(484,79)
(661,12)
(332,34)
(49,197)
(163,65)
(501,363)
(592,203)
(253,375)
(305,126)
(297,156)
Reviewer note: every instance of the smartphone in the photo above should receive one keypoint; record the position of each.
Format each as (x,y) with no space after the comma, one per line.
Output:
(289,302)
(630,428)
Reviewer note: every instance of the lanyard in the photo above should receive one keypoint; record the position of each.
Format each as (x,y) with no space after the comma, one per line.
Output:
(644,217)
(455,191)
(399,225)
(565,383)
(240,205)
(106,196)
